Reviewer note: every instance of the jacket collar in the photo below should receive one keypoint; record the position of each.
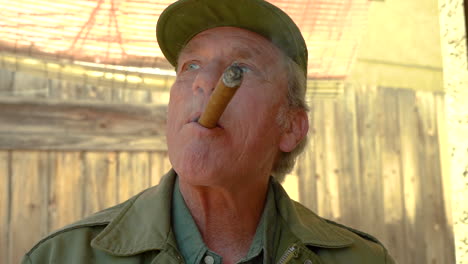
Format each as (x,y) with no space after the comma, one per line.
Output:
(144,223)
(308,227)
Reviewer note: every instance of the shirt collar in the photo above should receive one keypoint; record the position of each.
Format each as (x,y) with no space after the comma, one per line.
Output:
(187,235)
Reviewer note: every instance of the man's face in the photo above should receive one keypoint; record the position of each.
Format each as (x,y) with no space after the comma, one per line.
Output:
(246,142)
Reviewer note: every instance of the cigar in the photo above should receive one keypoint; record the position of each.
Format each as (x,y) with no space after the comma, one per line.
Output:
(221,96)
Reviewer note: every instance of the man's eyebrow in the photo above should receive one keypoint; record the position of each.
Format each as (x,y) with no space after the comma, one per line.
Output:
(189,49)
(246,53)
(242,53)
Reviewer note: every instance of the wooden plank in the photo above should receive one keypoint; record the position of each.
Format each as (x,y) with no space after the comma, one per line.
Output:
(4,205)
(368,114)
(437,233)
(62,89)
(350,186)
(83,91)
(159,166)
(306,172)
(6,82)
(135,96)
(332,156)
(426,185)
(97,75)
(306,166)
(26,85)
(325,201)
(133,174)
(66,189)
(59,125)
(100,186)
(319,158)
(441,122)
(389,136)
(412,178)
(89,92)
(29,191)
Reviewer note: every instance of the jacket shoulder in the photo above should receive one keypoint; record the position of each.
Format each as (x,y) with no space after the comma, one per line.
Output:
(87,228)
(361,234)
(366,242)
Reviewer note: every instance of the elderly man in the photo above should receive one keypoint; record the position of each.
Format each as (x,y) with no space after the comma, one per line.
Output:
(220,203)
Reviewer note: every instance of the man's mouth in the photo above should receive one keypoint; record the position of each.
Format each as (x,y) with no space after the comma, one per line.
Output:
(194,118)
(197,117)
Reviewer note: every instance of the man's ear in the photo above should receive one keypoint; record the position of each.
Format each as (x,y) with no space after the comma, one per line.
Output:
(295,130)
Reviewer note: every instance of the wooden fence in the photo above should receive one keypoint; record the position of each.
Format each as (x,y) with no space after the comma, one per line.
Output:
(374,162)
(44,190)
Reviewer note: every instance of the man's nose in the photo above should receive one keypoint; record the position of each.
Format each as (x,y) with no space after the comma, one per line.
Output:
(207,78)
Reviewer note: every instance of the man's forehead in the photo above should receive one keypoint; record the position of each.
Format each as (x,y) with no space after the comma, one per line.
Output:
(246,44)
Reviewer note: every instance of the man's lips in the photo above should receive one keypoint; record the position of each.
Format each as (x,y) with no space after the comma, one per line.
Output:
(194,119)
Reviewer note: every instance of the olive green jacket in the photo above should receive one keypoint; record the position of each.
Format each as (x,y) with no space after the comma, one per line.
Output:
(139,231)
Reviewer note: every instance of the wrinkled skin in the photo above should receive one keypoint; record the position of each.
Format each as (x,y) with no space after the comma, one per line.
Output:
(247,142)
(224,172)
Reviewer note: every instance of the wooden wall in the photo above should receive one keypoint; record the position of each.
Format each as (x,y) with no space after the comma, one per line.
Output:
(373,162)
(42,191)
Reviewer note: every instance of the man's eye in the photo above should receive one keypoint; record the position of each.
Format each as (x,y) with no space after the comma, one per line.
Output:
(192,66)
(245,68)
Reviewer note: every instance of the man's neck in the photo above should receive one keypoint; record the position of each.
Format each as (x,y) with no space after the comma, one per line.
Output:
(227,219)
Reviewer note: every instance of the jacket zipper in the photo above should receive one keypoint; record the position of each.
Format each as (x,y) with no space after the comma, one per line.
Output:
(291,252)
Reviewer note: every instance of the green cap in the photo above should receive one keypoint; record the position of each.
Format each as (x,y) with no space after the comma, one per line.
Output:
(184,19)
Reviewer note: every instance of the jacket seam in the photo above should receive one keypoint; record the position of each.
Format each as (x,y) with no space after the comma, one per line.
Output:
(361,234)
(64,231)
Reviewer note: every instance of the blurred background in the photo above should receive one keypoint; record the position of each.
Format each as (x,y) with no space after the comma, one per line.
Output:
(83,96)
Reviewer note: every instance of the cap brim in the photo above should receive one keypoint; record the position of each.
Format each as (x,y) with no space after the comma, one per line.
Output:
(184,19)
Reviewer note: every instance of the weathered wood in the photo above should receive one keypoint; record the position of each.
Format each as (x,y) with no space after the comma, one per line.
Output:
(134,96)
(63,90)
(100,176)
(389,136)
(4,205)
(320,160)
(436,224)
(79,77)
(445,186)
(47,68)
(72,91)
(6,82)
(395,176)
(373,152)
(411,178)
(28,220)
(350,185)
(368,113)
(66,191)
(133,174)
(444,155)
(58,125)
(25,85)
(307,172)
(332,164)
